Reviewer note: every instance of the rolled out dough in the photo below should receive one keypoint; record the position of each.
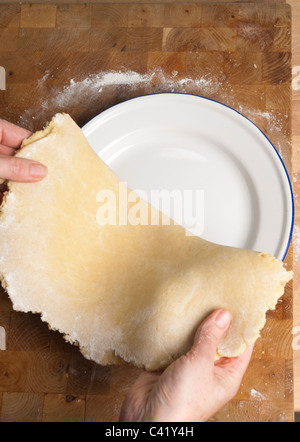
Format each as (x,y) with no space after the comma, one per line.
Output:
(122,293)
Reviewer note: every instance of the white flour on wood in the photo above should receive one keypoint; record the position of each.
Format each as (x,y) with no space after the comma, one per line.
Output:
(96,88)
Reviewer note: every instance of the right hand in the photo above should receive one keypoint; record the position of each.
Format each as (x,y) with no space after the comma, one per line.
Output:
(195,386)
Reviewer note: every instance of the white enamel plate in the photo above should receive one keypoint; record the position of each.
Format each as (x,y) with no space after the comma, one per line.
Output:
(186,142)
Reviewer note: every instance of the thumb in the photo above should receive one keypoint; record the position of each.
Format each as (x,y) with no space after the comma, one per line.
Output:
(209,335)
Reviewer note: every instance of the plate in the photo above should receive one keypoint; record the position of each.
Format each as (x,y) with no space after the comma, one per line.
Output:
(231,179)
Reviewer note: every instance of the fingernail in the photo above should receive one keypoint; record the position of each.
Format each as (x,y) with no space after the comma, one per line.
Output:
(37,170)
(223,319)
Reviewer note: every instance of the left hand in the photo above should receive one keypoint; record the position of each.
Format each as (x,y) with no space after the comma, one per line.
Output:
(16,169)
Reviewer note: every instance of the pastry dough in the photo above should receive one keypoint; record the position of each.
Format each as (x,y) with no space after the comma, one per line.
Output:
(122,293)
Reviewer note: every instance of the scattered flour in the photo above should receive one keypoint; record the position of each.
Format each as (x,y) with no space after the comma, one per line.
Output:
(257,395)
(97,87)
(296,243)
(96,91)
(96,83)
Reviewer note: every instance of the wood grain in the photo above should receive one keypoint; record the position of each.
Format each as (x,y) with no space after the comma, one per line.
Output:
(240,54)
(296,188)
(142,1)
(38,16)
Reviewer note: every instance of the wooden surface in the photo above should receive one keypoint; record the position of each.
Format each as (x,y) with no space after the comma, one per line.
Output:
(64,58)
(296,187)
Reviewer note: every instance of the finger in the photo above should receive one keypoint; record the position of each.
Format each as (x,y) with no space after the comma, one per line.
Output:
(232,370)
(12,135)
(4,150)
(21,170)
(209,335)
(238,365)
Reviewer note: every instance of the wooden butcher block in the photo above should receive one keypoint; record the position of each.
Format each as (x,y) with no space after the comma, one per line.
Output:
(84,58)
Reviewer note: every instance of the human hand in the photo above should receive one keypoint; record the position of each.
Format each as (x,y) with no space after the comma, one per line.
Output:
(16,169)
(195,386)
